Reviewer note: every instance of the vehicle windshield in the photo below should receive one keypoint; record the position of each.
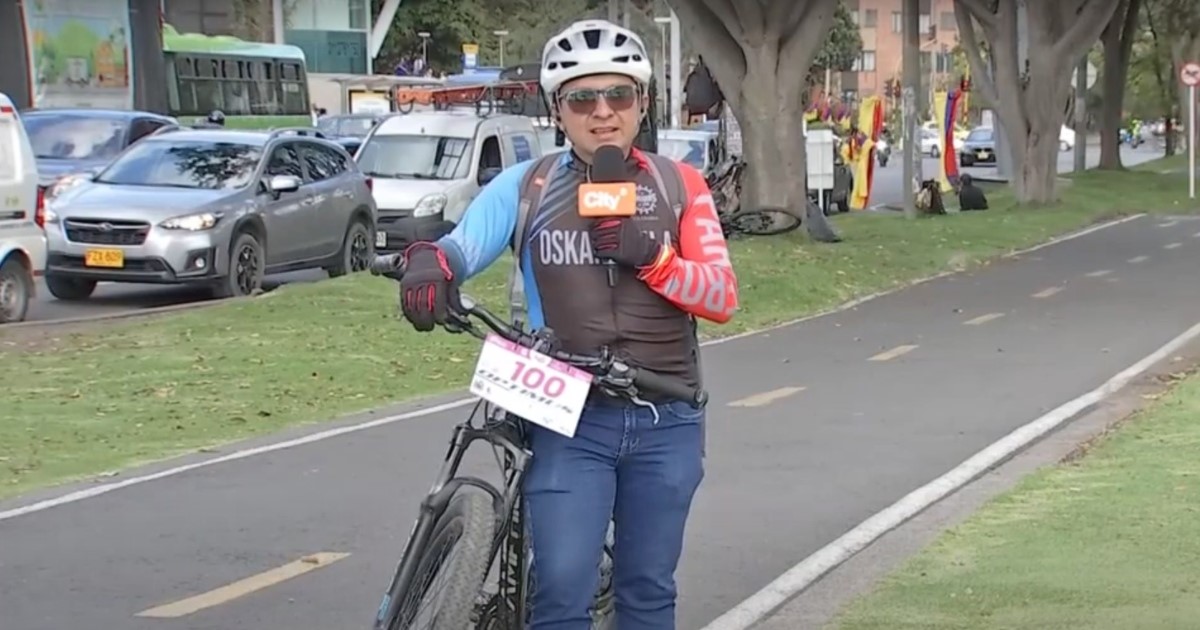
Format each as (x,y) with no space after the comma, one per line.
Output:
(74,137)
(415,157)
(687,151)
(980,135)
(352,126)
(199,164)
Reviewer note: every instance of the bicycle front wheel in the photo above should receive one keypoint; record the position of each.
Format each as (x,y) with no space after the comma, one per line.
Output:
(765,222)
(451,569)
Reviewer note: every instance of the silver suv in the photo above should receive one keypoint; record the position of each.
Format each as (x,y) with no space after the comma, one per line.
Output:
(213,207)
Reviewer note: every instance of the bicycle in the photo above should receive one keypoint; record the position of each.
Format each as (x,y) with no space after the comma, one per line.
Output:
(726,191)
(483,527)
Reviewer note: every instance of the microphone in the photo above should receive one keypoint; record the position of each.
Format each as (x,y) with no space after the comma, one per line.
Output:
(608,193)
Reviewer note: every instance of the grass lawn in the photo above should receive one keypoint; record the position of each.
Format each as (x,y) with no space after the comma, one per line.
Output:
(145,389)
(1110,541)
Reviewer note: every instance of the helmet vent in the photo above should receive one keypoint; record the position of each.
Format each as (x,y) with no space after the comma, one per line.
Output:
(592,38)
(565,45)
(620,40)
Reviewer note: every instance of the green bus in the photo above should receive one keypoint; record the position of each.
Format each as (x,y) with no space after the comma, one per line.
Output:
(255,85)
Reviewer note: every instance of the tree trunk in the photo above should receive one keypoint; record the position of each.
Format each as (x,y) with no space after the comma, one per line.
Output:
(1031,101)
(757,47)
(1036,177)
(1118,48)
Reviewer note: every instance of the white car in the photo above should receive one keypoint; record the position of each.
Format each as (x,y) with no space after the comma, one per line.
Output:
(931,145)
(22,214)
(1066,138)
(427,166)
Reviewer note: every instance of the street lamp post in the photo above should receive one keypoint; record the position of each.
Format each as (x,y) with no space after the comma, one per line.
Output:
(501,35)
(663,92)
(424,35)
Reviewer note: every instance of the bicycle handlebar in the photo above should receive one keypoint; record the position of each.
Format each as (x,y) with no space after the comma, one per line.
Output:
(612,373)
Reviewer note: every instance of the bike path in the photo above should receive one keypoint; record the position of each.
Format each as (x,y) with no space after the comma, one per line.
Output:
(847,438)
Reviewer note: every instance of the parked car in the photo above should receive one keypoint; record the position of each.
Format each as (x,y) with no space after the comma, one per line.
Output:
(22,240)
(697,148)
(931,144)
(980,146)
(348,130)
(72,144)
(428,166)
(212,207)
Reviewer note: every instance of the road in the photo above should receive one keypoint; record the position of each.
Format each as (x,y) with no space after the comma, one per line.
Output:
(812,428)
(115,298)
(888,191)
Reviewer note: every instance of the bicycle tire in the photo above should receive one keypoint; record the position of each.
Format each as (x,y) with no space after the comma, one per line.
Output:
(466,528)
(763,222)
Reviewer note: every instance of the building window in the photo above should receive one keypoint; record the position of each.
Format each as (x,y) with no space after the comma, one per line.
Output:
(897,22)
(358,15)
(948,21)
(870,18)
(925,23)
(865,62)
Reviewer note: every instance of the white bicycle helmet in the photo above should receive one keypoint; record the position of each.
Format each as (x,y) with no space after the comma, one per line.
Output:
(593,47)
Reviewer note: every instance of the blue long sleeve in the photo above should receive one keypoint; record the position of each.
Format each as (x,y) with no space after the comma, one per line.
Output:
(486,227)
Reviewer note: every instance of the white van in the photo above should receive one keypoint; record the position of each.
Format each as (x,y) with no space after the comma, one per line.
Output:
(22,239)
(427,166)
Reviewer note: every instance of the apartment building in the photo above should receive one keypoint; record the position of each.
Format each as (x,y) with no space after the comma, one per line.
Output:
(881,24)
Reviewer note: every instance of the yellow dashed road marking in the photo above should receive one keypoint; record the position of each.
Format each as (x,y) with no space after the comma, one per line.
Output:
(1045,293)
(241,588)
(983,319)
(893,353)
(763,399)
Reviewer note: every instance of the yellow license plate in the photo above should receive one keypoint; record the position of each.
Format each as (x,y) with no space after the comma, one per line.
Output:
(111,258)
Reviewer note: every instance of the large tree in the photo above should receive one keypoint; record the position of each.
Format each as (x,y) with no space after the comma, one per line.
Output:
(1178,22)
(1118,38)
(1032,102)
(759,51)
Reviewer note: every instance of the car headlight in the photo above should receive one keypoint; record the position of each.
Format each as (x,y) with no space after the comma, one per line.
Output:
(65,183)
(192,222)
(430,205)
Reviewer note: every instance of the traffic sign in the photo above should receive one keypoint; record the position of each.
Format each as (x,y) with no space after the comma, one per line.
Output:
(1190,74)
(1091,76)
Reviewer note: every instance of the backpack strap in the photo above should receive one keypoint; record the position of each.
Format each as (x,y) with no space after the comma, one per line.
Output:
(669,182)
(533,189)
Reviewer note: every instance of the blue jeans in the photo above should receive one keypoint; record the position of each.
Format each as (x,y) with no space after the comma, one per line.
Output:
(624,467)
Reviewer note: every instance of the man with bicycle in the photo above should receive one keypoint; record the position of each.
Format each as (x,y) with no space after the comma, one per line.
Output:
(635,465)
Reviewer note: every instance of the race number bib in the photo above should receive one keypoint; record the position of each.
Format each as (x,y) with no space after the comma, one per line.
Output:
(531,385)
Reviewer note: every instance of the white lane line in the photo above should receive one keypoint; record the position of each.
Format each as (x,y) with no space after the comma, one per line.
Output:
(809,570)
(1172,245)
(1169,223)
(1047,292)
(763,399)
(1099,273)
(898,351)
(319,436)
(1196,235)
(243,587)
(1138,259)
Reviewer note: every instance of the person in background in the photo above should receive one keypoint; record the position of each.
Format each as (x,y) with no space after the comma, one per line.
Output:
(702,95)
(970,196)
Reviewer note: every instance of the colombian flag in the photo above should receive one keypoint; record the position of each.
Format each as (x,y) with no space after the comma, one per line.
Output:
(946,105)
(862,157)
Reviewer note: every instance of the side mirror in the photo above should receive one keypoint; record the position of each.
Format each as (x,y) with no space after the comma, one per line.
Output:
(486,175)
(279,184)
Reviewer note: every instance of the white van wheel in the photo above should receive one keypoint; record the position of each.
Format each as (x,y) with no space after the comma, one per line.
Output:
(16,285)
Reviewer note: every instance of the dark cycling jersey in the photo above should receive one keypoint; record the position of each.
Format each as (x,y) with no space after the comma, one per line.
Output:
(646,316)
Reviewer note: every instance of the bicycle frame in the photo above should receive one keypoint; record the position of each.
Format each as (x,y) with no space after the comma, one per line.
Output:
(446,484)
